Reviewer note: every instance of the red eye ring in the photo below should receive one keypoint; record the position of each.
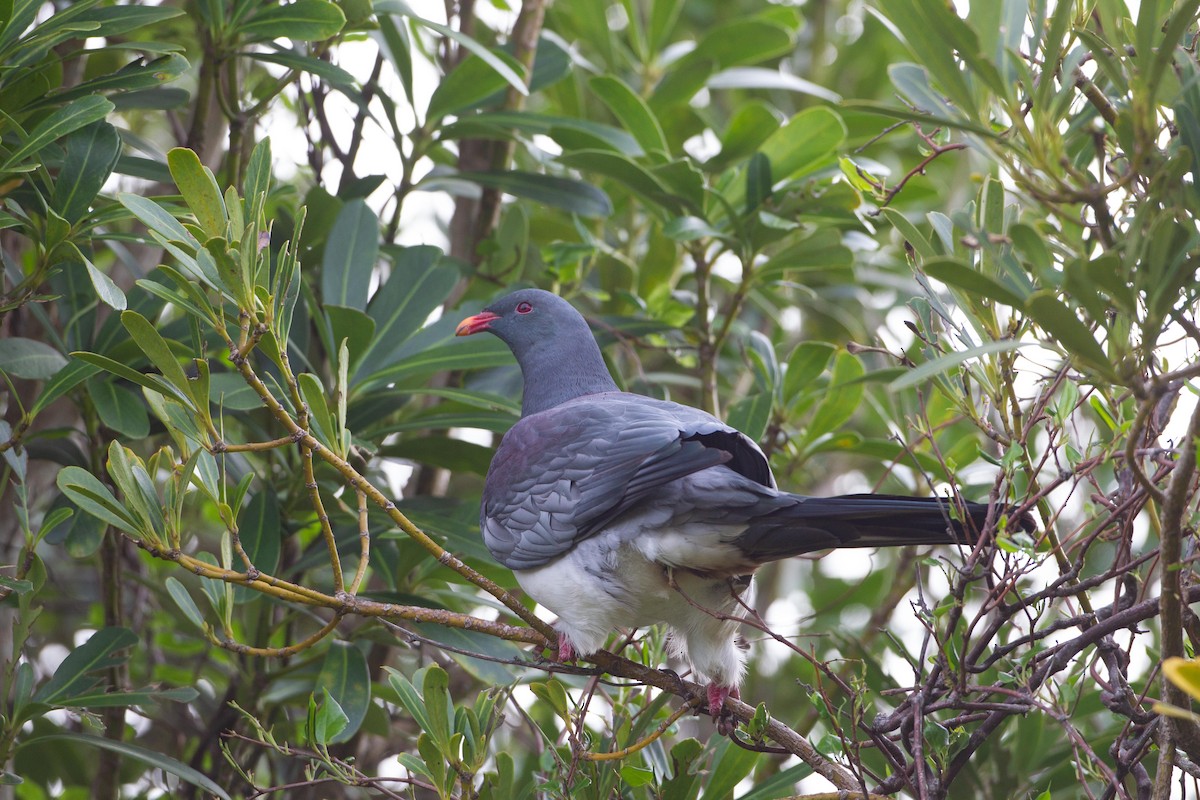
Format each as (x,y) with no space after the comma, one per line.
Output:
(524,307)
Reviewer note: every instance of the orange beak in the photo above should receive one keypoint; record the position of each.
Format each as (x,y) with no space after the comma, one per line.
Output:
(475,324)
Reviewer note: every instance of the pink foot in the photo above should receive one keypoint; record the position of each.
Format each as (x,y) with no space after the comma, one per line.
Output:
(566,651)
(717,695)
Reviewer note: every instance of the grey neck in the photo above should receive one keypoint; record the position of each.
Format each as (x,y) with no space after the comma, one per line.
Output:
(561,370)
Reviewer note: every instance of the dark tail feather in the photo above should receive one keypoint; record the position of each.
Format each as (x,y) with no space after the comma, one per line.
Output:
(860,520)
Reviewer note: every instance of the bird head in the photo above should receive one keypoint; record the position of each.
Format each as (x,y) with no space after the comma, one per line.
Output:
(553,344)
(525,318)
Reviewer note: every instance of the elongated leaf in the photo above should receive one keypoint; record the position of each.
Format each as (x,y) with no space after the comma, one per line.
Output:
(330,73)
(630,173)
(751,125)
(199,188)
(842,399)
(156,218)
(570,195)
(351,252)
(1057,319)
(451,356)
(151,342)
(750,415)
(185,602)
(91,155)
(29,358)
(972,281)
(347,678)
(563,130)
(261,535)
(468,85)
(949,361)
(303,20)
(419,283)
(633,112)
(119,409)
(75,673)
(762,78)
(148,757)
(151,382)
(504,70)
(108,291)
(66,379)
(133,77)
(71,117)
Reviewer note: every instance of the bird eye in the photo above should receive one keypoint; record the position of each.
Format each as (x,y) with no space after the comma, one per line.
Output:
(524,307)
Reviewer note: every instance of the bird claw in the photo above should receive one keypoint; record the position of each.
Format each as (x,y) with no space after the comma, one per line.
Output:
(566,651)
(717,694)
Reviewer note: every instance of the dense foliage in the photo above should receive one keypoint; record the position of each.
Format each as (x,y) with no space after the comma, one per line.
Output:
(910,247)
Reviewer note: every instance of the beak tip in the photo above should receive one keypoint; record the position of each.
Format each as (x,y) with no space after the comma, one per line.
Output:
(475,324)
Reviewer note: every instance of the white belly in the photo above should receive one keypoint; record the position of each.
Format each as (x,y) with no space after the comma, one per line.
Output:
(602,585)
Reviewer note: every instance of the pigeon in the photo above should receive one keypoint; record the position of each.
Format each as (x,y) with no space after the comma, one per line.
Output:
(616,510)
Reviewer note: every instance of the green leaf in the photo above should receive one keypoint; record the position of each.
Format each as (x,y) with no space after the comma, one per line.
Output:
(762,78)
(751,125)
(330,73)
(567,194)
(569,132)
(731,764)
(751,414)
(420,282)
(66,379)
(633,112)
(455,355)
(351,252)
(926,29)
(689,229)
(441,451)
(485,669)
(951,360)
(1057,319)
(109,293)
(302,21)
(91,155)
(511,77)
(149,757)
(977,285)
(758,181)
(199,189)
(804,366)
(409,697)
(71,117)
(185,602)
(468,85)
(74,674)
(29,358)
(152,382)
(156,218)
(151,342)
(841,399)
(353,327)
(346,678)
(741,41)
(809,141)
(1185,674)
(118,408)
(85,491)
(261,534)
(325,721)
(435,690)
(627,171)
(314,395)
